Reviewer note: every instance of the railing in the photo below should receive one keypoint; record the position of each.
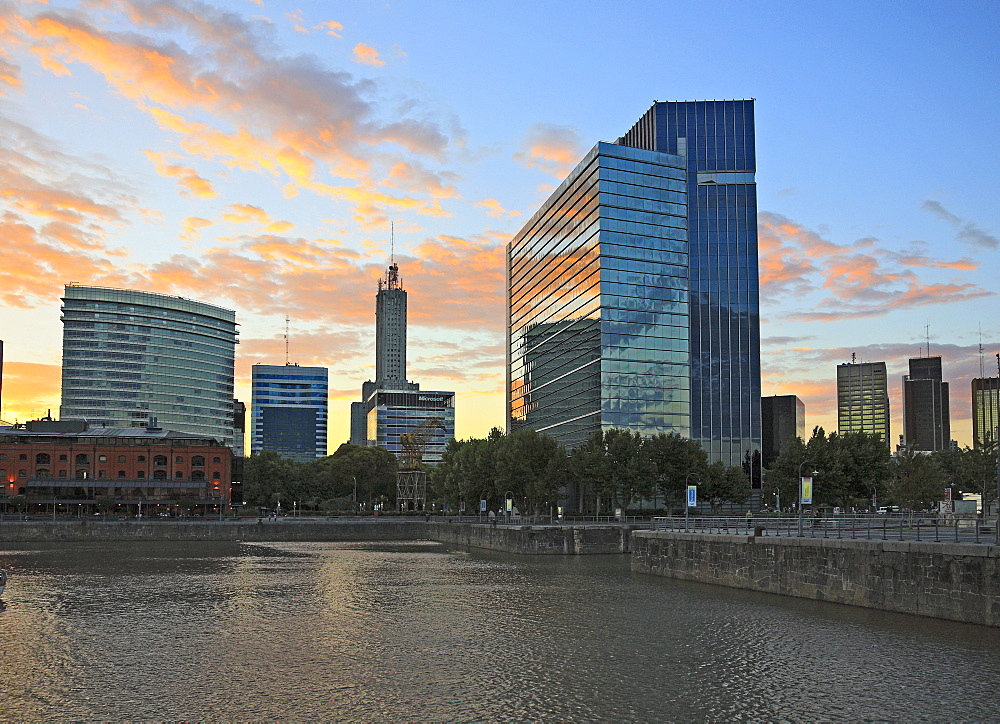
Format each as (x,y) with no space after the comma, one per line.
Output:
(869,527)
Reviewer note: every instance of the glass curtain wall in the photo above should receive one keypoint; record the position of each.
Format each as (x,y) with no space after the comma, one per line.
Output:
(597,301)
(716,138)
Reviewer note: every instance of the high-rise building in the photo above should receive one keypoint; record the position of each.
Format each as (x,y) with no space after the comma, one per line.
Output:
(597,313)
(239,428)
(985,410)
(716,141)
(632,292)
(863,399)
(392,406)
(926,409)
(288,410)
(783,418)
(130,357)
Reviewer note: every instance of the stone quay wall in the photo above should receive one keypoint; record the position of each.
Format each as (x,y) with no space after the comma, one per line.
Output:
(524,539)
(942,580)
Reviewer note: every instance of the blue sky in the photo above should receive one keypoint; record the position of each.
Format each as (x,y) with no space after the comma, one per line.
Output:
(254,153)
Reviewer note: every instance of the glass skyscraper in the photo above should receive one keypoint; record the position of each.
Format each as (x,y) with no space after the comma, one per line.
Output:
(985,410)
(926,406)
(130,357)
(288,410)
(863,399)
(597,301)
(716,141)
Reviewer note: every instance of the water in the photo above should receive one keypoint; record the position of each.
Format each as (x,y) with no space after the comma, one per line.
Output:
(415,632)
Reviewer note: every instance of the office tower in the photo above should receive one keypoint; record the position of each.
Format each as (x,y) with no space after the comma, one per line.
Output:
(597,317)
(782,419)
(130,357)
(716,140)
(392,406)
(985,410)
(288,410)
(863,399)
(1,378)
(239,428)
(926,416)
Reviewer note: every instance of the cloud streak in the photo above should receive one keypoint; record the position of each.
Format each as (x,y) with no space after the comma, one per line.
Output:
(965,231)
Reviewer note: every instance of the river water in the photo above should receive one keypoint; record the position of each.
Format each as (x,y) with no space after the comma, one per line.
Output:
(416,632)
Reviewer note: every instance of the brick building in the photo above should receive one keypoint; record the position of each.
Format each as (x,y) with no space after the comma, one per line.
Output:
(49,463)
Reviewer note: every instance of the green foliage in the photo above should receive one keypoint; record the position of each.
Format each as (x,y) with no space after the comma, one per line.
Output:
(721,483)
(324,483)
(615,463)
(529,465)
(848,467)
(971,470)
(677,461)
(918,480)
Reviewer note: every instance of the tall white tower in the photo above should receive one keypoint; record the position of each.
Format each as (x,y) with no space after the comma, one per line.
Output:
(390,330)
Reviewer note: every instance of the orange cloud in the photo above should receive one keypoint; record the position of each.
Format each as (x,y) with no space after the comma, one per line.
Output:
(250,214)
(551,148)
(863,279)
(190,182)
(494,208)
(332,27)
(367,55)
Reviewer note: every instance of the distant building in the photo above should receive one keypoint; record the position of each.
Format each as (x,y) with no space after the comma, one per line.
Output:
(392,406)
(130,356)
(985,410)
(863,399)
(47,463)
(239,428)
(783,418)
(926,409)
(289,411)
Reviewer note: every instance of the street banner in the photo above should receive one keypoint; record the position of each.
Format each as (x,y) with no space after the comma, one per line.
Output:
(692,496)
(806,491)
(482,506)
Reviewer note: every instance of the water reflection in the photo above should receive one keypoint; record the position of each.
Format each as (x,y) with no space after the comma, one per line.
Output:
(188,631)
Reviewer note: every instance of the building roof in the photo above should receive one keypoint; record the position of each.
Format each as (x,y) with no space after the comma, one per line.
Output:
(137,433)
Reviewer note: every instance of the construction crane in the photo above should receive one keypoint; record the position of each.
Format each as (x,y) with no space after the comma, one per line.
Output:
(414,443)
(411,479)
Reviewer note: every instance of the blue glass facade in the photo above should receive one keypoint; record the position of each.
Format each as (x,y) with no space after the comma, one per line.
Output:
(131,356)
(597,301)
(288,411)
(716,140)
(392,413)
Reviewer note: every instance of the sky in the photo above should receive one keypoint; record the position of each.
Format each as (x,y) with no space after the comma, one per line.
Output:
(253,153)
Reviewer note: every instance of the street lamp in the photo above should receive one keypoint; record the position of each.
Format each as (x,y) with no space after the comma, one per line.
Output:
(802,485)
(509,504)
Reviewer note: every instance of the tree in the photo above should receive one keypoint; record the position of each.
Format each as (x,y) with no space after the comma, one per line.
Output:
(971,470)
(918,480)
(722,483)
(675,457)
(532,466)
(614,463)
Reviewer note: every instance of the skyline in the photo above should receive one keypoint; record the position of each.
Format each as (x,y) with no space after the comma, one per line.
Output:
(253,154)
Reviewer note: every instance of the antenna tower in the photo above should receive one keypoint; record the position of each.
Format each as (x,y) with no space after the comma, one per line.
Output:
(392,242)
(927,331)
(982,368)
(854,357)
(287,320)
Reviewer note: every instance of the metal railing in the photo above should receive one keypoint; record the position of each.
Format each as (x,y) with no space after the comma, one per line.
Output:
(868,527)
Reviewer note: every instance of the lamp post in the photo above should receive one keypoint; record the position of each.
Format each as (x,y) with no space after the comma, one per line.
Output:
(802,485)
(508,504)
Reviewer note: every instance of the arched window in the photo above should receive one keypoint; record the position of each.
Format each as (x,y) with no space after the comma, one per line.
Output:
(141,458)
(179,475)
(82,459)
(81,474)
(216,476)
(179,460)
(198,475)
(216,459)
(121,458)
(141,474)
(43,459)
(160,460)
(198,461)
(121,473)
(159,475)
(43,473)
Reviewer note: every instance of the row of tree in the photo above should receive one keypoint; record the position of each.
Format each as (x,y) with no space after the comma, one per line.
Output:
(854,469)
(353,478)
(613,468)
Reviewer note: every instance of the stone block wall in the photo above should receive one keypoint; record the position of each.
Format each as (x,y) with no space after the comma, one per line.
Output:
(943,580)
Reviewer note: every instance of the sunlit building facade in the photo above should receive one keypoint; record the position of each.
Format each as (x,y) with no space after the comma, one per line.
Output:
(863,399)
(134,359)
(597,312)
(985,410)
(288,410)
(716,141)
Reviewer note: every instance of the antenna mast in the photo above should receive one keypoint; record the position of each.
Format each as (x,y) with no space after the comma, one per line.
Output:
(392,242)
(287,320)
(927,331)
(982,368)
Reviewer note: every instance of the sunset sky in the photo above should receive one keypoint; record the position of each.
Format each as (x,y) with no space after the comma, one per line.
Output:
(252,153)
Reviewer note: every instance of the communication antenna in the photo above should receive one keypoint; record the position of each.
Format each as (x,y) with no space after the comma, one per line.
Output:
(287,320)
(998,364)
(854,357)
(927,331)
(982,368)
(392,242)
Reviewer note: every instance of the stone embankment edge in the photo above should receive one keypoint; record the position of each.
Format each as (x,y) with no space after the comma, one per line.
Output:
(958,582)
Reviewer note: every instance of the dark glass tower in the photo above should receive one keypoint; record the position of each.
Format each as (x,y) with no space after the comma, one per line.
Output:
(716,139)
(926,406)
